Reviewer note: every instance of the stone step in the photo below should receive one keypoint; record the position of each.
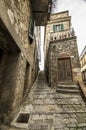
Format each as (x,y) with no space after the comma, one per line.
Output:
(66,83)
(61,90)
(68,88)
(71,87)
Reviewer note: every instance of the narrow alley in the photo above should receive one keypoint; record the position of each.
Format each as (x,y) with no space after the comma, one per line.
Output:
(31,99)
(46,109)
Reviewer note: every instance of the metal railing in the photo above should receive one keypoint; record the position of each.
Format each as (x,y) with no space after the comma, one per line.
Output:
(62,34)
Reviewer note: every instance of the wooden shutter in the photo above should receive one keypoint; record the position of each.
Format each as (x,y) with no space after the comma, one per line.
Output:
(31,28)
(62,27)
(54,28)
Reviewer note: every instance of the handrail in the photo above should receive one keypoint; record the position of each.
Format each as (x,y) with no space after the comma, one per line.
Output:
(62,34)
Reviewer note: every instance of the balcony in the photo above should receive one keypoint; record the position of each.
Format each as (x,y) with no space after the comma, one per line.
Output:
(41,10)
(61,35)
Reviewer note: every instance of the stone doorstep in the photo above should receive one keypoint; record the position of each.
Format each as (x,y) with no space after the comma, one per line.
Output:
(83,89)
(68,88)
(67,91)
(73,87)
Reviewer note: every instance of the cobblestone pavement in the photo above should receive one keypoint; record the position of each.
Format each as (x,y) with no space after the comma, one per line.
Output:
(50,110)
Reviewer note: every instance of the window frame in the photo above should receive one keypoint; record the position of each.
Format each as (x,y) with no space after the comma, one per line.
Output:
(59,26)
(31,28)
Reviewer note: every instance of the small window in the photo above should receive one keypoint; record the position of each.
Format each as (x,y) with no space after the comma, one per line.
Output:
(31,29)
(57,28)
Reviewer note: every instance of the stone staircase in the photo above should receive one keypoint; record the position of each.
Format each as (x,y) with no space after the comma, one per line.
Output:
(68,88)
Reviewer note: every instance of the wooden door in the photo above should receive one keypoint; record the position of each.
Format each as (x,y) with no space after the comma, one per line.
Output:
(64,70)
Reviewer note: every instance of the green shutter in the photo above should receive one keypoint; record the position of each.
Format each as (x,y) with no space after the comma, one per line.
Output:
(31,27)
(54,28)
(62,27)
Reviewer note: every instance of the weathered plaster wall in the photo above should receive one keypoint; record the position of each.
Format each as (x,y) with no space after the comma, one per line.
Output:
(15,16)
(19,13)
(12,83)
(2,65)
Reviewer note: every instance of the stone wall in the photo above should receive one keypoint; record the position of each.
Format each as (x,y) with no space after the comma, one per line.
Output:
(63,48)
(57,47)
(52,67)
(2,65)
(55,19)
(15,16)
(19,13)
(20,80)
(49,27)
(49,30)
(12,84)
(59,15)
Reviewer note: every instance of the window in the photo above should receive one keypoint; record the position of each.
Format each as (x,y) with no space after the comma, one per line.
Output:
(31,28)
(57,28)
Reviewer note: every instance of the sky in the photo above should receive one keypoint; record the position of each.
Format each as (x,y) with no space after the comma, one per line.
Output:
(77,11)
(41,64)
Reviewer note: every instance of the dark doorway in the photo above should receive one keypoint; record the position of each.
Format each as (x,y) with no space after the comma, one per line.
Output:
(26,82)
(64,70)
(1,53)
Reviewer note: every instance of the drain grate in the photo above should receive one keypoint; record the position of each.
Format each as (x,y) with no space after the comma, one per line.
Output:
(23,118)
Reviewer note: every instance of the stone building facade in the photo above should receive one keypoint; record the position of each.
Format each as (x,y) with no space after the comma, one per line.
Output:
(83,64)
(18,51)
(61,52)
